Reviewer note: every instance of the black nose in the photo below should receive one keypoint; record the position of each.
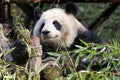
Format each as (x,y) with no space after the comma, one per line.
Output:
(45,32)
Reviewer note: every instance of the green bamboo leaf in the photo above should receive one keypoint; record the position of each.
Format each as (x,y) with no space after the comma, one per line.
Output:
(63,60)
(98,76)
(57,60)
(86,44)
(70,77)
(81,76)
(54,54)
(43,67)
(113,77)
(8,52)
(1,76)
(77,61)
(31,74)
(1,54)
(80,49)
(105,69)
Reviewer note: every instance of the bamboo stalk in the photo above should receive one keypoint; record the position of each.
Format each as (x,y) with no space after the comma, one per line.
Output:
(36,52)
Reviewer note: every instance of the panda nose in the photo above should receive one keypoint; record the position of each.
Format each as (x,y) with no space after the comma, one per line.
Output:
(45,32)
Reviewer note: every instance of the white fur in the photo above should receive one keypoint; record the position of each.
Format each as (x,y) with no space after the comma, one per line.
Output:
(63,37)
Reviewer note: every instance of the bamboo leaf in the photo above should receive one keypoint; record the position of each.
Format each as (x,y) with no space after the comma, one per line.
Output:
(105,69)
(54,54)
(77,61)
(86,44)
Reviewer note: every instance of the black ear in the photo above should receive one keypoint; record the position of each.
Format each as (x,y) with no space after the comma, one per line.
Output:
(37,12)
(71,8)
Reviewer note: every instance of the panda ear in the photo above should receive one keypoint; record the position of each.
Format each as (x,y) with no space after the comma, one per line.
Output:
(37,12)
(71,8)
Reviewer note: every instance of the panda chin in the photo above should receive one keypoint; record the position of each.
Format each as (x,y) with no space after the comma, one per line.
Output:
(51,39)
(53,42)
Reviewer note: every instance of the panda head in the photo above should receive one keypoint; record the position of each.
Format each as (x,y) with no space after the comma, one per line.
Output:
(57,27)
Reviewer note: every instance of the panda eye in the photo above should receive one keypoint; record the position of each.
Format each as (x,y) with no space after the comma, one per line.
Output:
(57,25)
(41,27)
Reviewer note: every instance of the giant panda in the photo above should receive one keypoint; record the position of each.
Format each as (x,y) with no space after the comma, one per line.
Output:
(59,29)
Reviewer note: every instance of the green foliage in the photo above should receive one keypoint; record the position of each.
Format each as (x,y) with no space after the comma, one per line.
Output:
(111,71)
(111,55)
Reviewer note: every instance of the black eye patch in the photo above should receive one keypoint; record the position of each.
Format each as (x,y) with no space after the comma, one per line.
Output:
(41,27)
(57,25)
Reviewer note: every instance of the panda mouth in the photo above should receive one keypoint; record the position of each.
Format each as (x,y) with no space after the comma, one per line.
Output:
(50,37)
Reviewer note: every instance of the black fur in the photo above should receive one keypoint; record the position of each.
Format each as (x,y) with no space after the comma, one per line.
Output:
(71,8)
(20,53)
(57,25)
(41,27)
(37,12)
(88,37)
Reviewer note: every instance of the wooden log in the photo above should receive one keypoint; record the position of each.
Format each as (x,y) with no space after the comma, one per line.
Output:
(62,1)
(25,1)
